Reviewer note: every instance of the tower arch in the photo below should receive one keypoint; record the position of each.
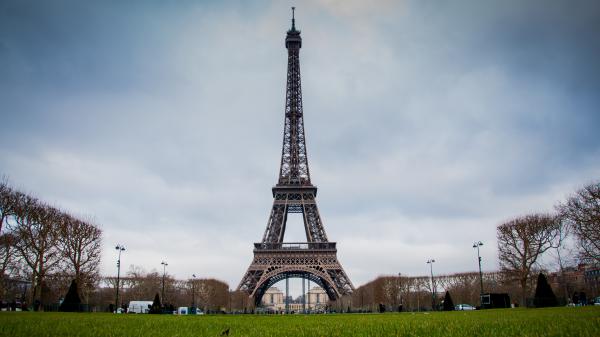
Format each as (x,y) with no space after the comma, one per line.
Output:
(314,275)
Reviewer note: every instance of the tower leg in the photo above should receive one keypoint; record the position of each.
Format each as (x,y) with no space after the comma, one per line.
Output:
(303,297)
(287,295)
(308,294)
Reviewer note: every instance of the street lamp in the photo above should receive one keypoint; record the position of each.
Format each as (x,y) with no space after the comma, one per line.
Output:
(164,264)
(477,245)
(193,293)
(119,248)
(430,262)
(400,299)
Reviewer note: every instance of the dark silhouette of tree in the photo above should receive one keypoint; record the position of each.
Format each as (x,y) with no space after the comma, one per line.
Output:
(156,307)
(38,241)
(521,242)
(544,296)
(80,245)
(36,235)
(7,202)
(582,212)
(7,254)
(72,301)
(448,303)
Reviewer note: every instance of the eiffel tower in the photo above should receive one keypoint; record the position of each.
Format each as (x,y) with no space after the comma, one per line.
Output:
(316,259)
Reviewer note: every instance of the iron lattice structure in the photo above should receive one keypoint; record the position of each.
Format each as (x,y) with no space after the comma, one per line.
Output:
(315,259)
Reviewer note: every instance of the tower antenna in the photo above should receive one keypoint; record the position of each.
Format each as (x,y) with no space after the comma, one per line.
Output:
(293,19)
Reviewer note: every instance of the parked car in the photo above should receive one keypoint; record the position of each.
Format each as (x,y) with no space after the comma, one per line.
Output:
(139,307)
(597,301)
(464,307)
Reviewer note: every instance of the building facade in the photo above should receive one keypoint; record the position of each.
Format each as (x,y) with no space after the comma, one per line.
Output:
(316,301)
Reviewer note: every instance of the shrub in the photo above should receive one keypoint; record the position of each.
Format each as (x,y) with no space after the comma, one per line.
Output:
(544,296)
(72,301)
(448,303)
(156,307)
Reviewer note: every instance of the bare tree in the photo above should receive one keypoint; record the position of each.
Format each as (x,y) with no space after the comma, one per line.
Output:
(463,286)
(240,301)
(6,255)
(563,231)
(6,251)
(80,245)
(521,242)
(582,213)
(213,295)
(36,233)
(140,284)
(43,243)
(6,201)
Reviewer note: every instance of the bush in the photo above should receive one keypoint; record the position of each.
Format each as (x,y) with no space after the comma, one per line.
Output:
(448,303)
(72,301)
(156,307)
(544,296)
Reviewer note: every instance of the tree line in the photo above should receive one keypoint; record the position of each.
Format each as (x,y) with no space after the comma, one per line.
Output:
(414,293)
(43,249)
(45,245)
(207,294)
(522,243)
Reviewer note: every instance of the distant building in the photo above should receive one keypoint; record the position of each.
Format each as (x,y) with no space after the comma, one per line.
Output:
(582,278)
(316,300)
(273,299)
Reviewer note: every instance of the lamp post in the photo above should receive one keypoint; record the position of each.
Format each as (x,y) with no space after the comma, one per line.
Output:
(229,293)
(287,294)
(194,293)
(164,264)
(119,248)
(400,290)
(477,245)
(430,262)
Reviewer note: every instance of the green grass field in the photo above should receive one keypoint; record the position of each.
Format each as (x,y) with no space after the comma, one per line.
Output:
(505,322)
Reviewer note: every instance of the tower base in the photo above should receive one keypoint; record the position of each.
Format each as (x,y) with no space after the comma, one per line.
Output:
(316,261)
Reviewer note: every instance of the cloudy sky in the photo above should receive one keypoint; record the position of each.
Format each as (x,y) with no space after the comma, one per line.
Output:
(428,122)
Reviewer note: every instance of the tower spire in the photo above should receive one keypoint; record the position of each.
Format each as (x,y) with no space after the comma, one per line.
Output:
(294,161)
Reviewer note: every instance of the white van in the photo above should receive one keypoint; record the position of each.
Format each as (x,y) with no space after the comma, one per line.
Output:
(139,307)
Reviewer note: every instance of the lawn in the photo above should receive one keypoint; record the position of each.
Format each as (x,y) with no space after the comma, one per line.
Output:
(501,322)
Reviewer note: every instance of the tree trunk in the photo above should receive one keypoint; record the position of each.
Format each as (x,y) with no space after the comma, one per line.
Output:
(523,282)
